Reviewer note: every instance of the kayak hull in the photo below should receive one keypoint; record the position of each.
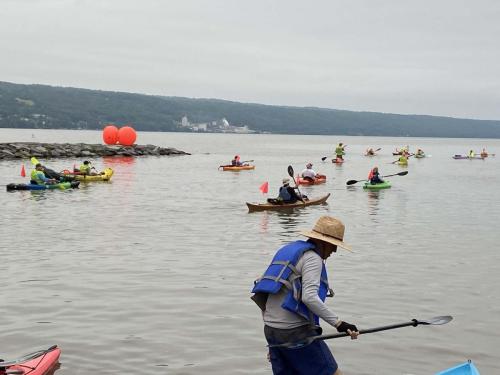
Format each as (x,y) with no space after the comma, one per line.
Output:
(459,157)
(338,161)
(466,368)
(61,186)
(104,176)
(254,207)
(42,365)
(317,180)
(237,169)
(384,185)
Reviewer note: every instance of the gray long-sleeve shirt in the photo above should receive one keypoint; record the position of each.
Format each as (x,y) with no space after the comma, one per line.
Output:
(309,266)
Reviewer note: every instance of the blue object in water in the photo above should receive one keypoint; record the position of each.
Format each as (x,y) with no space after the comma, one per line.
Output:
(466,368)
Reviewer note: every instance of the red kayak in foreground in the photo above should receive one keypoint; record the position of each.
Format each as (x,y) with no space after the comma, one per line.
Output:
(41,362)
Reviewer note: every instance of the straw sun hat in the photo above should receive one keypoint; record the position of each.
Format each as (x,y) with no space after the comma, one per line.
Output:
(330,230)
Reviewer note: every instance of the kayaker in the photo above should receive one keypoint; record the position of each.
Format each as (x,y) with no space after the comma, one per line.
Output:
(403,159)
(292,305)
(86,168)
(472,154)
(420,153)
(370,152)
(50,173)
(308,173)
(288,194)
(339,151)
(39,178)
(484,154)
(374,177)
(236,161)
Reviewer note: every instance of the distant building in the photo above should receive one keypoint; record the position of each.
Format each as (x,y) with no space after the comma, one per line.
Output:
(185,122)
(217,126)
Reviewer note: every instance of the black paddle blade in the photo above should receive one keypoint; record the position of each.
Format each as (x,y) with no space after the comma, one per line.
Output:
(404,173)
(437,320)
(351,182)
(290,171)
(324,158)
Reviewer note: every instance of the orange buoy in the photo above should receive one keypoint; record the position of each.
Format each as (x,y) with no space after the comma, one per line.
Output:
(110,134)
(127,136)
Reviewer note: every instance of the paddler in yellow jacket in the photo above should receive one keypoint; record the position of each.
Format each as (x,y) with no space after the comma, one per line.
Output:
(39,178)
(86,169)
(339,151)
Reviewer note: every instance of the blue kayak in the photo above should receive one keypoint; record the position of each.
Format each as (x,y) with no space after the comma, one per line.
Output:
(466,368)
(61,185)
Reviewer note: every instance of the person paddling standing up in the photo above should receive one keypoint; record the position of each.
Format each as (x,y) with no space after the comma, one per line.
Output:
(339,151)
(291,295)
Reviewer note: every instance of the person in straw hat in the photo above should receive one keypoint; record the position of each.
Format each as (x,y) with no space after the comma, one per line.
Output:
(291,295)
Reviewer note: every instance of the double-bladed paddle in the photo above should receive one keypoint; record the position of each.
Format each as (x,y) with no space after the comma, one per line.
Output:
(352,182)
(438,320)
(378,149)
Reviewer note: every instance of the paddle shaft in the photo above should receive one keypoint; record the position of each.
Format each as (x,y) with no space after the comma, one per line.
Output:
(404,173)
(291,174)
(413,323)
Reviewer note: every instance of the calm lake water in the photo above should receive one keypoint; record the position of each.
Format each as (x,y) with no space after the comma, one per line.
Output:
(151,273)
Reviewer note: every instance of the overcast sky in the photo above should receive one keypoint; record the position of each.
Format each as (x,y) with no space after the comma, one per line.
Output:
(439,57)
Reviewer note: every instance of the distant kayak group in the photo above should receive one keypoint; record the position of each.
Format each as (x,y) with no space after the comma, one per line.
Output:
(290,196)
(44,178)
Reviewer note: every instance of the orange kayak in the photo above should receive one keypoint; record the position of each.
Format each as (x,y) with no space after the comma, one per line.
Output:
(320,179)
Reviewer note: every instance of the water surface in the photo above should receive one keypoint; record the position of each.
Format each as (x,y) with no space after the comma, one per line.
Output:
(150,274)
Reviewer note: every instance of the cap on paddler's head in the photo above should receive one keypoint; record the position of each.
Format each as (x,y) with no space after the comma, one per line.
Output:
(286,181)
(86,162)
(38,165)
(328,229)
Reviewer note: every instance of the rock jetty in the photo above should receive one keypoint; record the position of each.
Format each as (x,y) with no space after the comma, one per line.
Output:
(23,150)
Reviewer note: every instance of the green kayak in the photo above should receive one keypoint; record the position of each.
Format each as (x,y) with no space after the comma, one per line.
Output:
(383,185)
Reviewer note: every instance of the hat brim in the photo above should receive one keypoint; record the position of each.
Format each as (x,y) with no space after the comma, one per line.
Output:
(329,239)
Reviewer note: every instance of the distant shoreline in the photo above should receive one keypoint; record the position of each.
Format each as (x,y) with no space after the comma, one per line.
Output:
(267,133)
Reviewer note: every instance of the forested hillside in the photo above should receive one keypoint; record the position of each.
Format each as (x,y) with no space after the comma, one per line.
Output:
(39,106)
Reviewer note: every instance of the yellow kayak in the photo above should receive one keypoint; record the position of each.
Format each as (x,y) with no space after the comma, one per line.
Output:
(236,168)
(103,176)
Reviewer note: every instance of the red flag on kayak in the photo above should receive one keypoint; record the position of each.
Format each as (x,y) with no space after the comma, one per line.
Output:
(264,188)
(23,171)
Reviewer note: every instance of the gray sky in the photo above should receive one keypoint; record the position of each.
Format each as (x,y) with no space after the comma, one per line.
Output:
(439,57)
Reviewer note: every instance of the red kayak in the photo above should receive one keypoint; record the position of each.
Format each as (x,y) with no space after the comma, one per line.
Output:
(337,161)
(320,179)
(41,362)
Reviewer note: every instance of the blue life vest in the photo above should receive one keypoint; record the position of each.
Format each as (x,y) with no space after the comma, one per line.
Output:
(282,272)
(284,194)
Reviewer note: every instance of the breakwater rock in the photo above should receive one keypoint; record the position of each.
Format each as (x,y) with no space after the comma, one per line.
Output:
(23,150)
